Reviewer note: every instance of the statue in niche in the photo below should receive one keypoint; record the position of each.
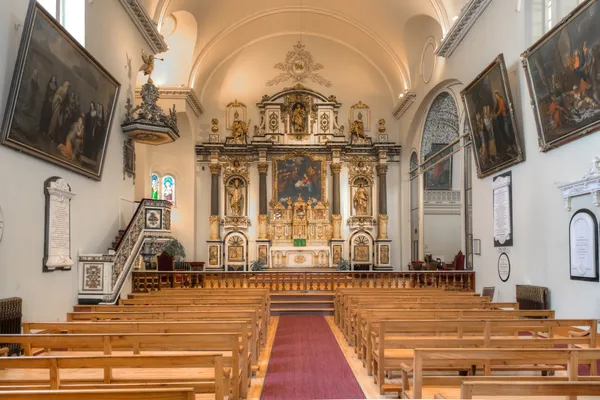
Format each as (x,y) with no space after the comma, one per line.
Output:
(357,130)
(299,118)
(361,200)
(239,130)
(236,197)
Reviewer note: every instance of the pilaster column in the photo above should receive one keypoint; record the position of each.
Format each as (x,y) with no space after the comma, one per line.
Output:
(383,215)
(215,232)
(336,168)
(263,168)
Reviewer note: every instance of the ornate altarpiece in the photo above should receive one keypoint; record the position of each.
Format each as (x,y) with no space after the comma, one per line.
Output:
(301,145)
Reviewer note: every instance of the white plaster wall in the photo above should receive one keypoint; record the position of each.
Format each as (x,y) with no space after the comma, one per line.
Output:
(540,255)
(244,76)
(110,37)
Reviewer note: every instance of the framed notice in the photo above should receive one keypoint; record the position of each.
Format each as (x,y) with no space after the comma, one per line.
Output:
(583,246)
(503,226)
(504,267)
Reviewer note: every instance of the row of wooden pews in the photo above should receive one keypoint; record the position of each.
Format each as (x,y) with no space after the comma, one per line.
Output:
(178,344)
(438,344)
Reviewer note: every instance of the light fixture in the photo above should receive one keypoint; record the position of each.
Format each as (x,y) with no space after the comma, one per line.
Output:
(401,95)
(455,18)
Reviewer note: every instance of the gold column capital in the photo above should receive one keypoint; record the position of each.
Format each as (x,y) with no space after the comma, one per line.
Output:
(263,167)
(215,169)
(336,168)
(382,169)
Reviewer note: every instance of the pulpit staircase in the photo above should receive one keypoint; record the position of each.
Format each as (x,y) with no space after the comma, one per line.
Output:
(302,303)
(102,277)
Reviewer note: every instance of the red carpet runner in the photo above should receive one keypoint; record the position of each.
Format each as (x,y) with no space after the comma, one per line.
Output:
(307,363)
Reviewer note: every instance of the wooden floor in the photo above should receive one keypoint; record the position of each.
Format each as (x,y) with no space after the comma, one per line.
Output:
(263,363)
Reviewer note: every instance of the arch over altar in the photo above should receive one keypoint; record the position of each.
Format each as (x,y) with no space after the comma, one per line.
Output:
(297,139)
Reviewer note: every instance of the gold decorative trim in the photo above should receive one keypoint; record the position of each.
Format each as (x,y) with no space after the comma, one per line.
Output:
(215,169)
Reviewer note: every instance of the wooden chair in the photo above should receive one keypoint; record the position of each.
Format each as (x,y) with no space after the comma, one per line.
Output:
(489,291)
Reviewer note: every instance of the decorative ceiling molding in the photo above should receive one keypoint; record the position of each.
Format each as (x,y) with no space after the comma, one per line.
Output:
(246,45)
(179,93)
(405,76)
(145,25)
(468,16)
(407,101)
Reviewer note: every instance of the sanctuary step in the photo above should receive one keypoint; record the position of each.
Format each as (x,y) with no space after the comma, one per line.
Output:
(302,303)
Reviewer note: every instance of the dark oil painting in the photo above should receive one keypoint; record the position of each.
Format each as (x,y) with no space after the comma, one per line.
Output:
(299,177)
(439,177)
(62,101)
(563,74)
(489,110)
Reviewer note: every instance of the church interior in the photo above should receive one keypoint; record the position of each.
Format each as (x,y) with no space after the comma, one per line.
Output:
(299,199)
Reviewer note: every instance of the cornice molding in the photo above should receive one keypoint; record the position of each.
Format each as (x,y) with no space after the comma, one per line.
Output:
(407,101)
(179,93)
(145,25)
(468,16)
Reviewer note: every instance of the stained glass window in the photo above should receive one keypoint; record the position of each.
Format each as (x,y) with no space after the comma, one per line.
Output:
(155,191)
(168,191)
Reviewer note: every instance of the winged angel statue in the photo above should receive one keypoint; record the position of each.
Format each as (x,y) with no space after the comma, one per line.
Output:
(148,64)
(299,66)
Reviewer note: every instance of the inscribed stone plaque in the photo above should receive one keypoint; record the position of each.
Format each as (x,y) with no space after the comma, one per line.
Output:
(58,224)
(583,246)
(502,186)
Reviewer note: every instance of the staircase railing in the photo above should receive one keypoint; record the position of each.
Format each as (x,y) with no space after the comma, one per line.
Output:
(102,276)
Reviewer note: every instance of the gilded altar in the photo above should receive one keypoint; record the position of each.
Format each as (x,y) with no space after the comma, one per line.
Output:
(300,220)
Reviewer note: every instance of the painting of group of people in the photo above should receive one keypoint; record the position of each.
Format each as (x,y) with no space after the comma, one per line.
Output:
(299,177)
(62,106)
(494,131)
(564,78)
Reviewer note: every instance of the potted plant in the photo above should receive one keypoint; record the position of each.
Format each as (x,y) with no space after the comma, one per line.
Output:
(171,251)
(257,265)
(344,265)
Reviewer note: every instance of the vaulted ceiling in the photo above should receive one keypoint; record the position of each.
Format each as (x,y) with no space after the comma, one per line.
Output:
(388,33)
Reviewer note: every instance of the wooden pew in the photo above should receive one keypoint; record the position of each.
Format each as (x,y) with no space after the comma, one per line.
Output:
(370,325)
(395,344)
(261,314)
(530,360)
(234,353)
(470,389)
(162,316)
(350,303)
(203,373)
(429,305)
(116,394)
(356,313)
(342,295)
(240,327)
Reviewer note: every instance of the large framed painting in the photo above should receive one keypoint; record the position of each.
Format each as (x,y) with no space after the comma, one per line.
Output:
(61,102)
(299,176)
(439,177)
(563,75)
(489,111)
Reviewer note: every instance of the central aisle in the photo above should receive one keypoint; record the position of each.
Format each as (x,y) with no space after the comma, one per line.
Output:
(307,363)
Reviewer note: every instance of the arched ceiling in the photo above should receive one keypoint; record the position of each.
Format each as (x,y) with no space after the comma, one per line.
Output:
(375,30)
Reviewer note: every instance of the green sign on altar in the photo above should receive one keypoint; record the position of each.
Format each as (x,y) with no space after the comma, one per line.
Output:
(299,242)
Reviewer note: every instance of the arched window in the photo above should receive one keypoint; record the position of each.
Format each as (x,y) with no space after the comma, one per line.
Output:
(168,188)
(155,187)
(70,14)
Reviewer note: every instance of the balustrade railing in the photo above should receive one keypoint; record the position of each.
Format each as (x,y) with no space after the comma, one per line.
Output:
(148,281)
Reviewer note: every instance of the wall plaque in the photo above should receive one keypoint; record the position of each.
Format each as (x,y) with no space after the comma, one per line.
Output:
(583,246)
(504,267)
(503,234)
(57,252)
